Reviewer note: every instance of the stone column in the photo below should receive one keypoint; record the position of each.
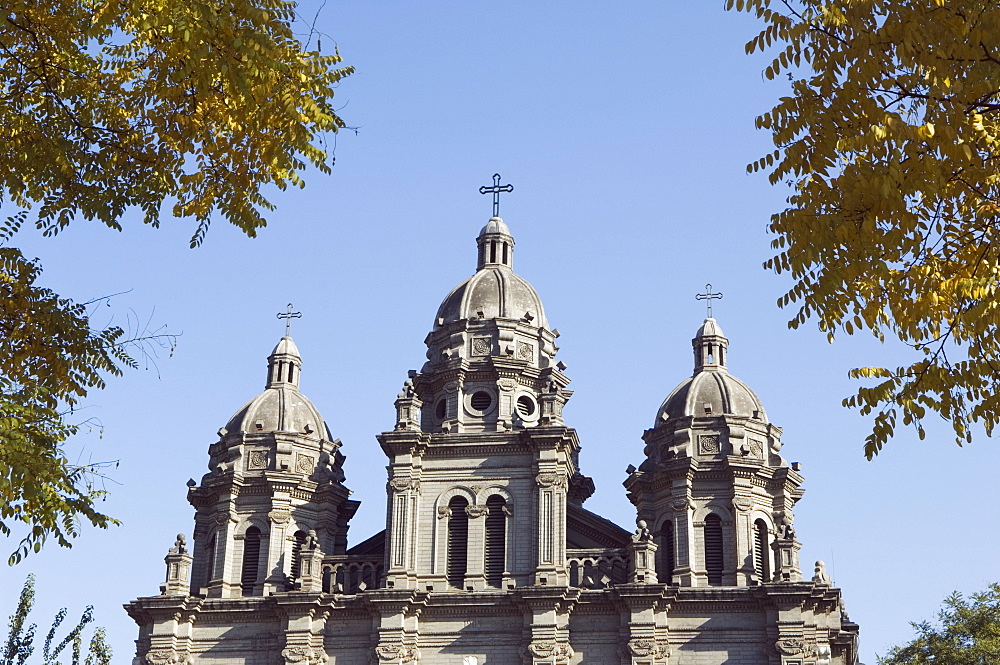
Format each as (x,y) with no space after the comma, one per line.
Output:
(403,493)
(643,635)
(683,536)
(551,567)
(546,639)
(396,627)
(475,571)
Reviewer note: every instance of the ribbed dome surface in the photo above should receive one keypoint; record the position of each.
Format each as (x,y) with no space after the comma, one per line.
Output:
(495,225)
(722,391)
(497,292)
(278,410)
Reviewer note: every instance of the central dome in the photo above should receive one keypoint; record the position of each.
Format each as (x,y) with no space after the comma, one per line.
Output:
(495,291)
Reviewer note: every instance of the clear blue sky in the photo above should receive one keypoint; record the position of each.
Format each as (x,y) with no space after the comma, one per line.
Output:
(625,129)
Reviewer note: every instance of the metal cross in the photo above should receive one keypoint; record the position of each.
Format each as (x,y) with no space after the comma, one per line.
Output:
(709,296)
(495,190)
(288,315)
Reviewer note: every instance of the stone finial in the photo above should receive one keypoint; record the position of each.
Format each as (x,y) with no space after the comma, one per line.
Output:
(820,576)
(312,541)
(408,407)
(787,530)
(642,534)
(180,545)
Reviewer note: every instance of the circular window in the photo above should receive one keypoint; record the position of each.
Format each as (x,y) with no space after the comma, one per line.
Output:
(481,400)
(441,409)
(525,406)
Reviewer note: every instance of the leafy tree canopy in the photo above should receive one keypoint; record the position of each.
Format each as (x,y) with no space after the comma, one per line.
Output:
(967,633)
(890,139)
(20,640)
(107,105)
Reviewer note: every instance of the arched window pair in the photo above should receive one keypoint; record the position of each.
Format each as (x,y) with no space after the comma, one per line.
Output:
(714,551)
(495,543)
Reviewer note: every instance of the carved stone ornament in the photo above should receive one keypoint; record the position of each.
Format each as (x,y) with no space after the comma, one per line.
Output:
(756,448)
(221,518)
(451,387)
(257,459)
(403,654)
(305,463)
(790,646)
(480,346)
(525,351)
(403,483)
(279,516)
(475,510)
(550,480)
(743,503)
(167,656)
(643,647)
(507,384)
(708,444)
(542,649)
(680,503)
(443,512)
(303,655)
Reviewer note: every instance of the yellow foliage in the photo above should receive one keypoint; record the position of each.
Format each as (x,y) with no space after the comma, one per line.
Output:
(890,141)
(109,104)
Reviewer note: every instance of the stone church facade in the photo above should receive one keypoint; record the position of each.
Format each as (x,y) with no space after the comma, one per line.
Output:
(489,556)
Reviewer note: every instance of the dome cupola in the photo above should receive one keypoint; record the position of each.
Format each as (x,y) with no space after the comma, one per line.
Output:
(711,390)
(281,407)
(490,355)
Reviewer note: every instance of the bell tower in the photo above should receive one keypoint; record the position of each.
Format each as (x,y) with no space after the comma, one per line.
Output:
(275,483)
(480,438)
(714,489)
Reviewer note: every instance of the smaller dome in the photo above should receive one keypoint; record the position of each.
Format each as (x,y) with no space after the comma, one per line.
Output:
(281,407)
(278,410)
(286,347)
(708,328)
(493,226)
(711,390)
(711,394)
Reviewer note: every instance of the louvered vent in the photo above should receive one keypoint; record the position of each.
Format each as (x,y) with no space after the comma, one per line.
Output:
(496,540)
(761,552)
(251,560)
(525,406)
(481,400)
(300,539)
(666,569)
(713,549)
(210,562)
(458,542)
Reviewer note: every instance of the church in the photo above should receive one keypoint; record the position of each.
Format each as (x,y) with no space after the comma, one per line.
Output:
(489,556)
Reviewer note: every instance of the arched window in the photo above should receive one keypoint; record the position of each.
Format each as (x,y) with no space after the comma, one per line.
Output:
(300,539)
(714,561)
(761,551)
(666,568)
(210,561)
(458,541)
(251,560)
(496,540)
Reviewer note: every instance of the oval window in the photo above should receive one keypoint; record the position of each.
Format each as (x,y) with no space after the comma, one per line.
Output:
(441,409)
(481,400)
(525,406)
